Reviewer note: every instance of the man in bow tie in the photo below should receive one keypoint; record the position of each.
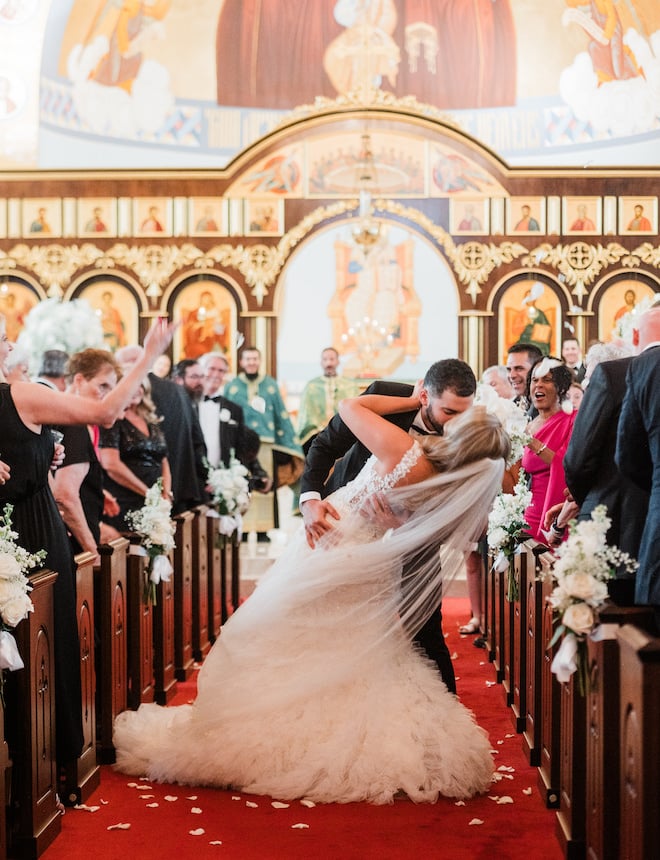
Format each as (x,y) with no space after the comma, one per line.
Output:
(223,424)
(447,390)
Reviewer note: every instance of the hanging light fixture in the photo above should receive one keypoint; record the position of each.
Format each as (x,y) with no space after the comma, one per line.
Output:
(366,231)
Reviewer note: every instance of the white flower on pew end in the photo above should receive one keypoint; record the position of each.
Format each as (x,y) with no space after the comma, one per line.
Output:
(230,496)
(229,487)
(583,564)
(15,603)
(511,417)
(153,522)
(507,528)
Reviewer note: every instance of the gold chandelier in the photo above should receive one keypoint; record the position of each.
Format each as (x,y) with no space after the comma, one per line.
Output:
(366,231)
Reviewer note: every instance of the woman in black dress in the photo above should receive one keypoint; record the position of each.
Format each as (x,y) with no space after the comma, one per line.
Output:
(78,483)
(26,447)
(133,454)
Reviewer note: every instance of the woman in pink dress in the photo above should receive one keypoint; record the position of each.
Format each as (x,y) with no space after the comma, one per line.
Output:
(543,459)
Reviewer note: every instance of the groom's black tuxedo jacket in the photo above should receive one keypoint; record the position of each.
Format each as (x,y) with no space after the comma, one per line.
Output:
(337,441)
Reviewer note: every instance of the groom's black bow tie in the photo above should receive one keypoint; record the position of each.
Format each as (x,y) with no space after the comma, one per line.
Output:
(216,399)
(422,432)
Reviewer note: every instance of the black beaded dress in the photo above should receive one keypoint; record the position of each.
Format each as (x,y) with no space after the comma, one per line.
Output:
(143,455)
(37,521)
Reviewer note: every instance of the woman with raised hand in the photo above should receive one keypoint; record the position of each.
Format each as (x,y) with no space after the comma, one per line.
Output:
(315,690)
(26,446)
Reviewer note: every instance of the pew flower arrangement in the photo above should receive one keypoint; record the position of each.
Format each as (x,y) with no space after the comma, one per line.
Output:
(153,522)
(230,495)
(15,603)
(507,529)
(511,417)
(584,563)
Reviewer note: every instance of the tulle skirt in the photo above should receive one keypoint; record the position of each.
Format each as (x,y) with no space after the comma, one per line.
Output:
(302,696)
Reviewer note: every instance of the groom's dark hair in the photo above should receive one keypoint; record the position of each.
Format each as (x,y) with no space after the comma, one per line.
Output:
(453,374)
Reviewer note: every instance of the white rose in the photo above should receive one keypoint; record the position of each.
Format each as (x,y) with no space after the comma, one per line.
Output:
(225,415)
(9,567)
(580,585)
(16,609)
(497,537)
(579,618)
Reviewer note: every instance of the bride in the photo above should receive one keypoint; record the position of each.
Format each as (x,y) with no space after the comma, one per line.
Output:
(313,689)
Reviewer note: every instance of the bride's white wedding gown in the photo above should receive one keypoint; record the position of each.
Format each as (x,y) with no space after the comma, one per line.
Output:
(303,696)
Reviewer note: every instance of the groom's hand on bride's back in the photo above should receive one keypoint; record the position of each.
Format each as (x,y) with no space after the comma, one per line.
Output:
(315,513)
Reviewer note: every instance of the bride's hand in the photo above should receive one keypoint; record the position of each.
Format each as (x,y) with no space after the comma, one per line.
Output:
(377,509)
(315,513)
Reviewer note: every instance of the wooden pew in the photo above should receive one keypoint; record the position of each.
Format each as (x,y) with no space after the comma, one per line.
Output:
(140,637)
(200,585)
(217,579)
(235,545)
(602,733)
(537,593)
(639,666)
(523,571)
(5,774)
(183,596)
(571,825)
(112,631)
(487,604)
(82,776)
(496,644)
(165,683)
(548,769)
(34,819)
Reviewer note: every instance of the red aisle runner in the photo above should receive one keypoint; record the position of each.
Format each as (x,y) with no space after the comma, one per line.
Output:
(178,821)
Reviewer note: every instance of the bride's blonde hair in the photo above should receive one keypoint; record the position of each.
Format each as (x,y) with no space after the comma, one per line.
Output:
(474,435)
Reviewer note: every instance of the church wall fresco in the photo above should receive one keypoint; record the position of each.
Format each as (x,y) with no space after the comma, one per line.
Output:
(167,83)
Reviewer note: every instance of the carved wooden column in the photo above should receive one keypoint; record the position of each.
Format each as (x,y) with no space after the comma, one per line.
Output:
(140,637)
(550,702)
(163,630)
(183,591)
(83,775)
(112,630)
(639,666)
(200,586)
(34,819)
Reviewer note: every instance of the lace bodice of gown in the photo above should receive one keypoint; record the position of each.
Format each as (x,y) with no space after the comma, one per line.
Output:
(351,497)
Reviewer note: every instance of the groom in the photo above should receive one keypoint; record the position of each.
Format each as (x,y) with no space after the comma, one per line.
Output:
(447,390)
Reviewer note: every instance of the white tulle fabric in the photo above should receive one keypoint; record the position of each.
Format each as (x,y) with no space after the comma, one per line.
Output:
(313,689)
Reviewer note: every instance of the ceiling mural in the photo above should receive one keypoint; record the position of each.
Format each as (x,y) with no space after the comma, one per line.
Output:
(192,83)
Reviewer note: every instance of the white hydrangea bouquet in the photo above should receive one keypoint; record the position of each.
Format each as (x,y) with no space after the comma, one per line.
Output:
(153,522)
(584,563)
(230,495)
(511,417)
(54,324)
(507,529)
(15,603)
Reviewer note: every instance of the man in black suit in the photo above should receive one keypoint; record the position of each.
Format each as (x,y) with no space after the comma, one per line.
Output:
(592,476)
(571,355)
(638,450)
(223,424)
(448,390)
